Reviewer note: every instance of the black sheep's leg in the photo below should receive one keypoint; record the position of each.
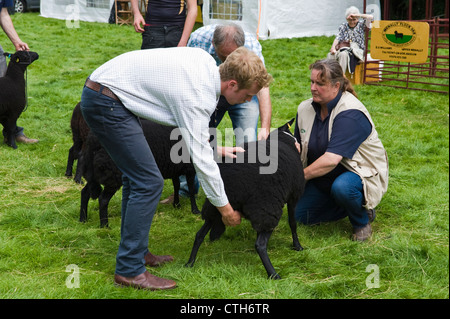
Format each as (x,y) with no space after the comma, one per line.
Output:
(190,179)
(293,225)
(70,160)
(261,247)
(176,189)
(85,195)
(201,234)
(103,201)
(10,129)
(79,171)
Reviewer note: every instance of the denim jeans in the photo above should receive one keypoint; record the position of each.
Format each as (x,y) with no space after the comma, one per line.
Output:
(345,199)
(120,133)
(243,116)
(3,64)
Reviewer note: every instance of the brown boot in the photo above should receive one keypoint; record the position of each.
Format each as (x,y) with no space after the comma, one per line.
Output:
(145,281)
(168,200)
(362,234)
(155,260)
(26,140)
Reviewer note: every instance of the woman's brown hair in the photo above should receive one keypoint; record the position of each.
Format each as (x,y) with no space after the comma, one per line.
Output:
(331,72)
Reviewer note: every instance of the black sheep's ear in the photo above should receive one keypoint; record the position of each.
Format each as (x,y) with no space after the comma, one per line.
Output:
(287,127)
(290,122)
(7,54)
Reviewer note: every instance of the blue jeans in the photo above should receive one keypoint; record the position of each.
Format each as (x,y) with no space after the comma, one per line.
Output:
(3,64)
(345,199)
(244,117)
(120,133)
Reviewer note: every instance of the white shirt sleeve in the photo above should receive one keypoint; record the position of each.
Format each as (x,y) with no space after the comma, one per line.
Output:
(173,86)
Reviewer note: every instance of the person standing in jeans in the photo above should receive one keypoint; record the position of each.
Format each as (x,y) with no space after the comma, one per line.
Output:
(172,86)
(167,23)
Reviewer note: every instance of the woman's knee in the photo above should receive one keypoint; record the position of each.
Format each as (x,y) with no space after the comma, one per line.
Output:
(347,187)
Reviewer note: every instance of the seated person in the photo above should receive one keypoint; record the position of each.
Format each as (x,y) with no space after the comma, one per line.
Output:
(350,40)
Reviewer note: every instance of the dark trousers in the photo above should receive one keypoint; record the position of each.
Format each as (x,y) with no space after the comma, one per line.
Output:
(120,133)
(161,36)
(345,199)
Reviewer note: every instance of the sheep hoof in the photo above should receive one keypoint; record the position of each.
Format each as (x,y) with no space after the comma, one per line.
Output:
(275,276)
(189,264)
(195,211)
(177,205)
(298,248)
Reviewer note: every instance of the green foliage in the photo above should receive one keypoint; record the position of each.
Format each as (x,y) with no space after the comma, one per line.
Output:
(40,234)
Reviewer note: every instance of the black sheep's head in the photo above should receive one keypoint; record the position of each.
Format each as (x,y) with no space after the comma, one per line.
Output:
(285,130)
(22,57)
(287,127)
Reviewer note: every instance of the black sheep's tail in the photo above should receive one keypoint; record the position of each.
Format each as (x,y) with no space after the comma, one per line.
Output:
(95,189)
(217,229)
(210,213)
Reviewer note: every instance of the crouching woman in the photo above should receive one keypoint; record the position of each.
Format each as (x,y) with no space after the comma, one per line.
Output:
(346,166)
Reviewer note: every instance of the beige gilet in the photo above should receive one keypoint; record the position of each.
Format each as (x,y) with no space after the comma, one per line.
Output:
(370,160)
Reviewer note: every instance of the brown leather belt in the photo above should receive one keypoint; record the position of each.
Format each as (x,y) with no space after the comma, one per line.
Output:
(100,88)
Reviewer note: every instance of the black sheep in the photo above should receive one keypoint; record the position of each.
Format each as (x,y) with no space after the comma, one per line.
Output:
(13,93)
(159,139)
(80,131)
(260,196)
(99,169)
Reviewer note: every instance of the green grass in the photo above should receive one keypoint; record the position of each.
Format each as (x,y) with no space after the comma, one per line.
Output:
(40,234)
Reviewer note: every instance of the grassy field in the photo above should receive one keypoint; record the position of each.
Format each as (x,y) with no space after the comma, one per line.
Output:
(40,235)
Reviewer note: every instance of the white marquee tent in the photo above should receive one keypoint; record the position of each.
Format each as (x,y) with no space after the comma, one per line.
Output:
(270,19)
(83,10)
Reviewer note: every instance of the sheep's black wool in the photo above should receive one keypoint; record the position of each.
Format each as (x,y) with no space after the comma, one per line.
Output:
(98,169)
(80,131)
(12,93)
(161,144)
(259,197)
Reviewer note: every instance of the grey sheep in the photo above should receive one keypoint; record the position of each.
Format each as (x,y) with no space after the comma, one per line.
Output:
(13,92)
(259,195)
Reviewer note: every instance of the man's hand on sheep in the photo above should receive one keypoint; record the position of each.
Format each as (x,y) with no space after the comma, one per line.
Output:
(263,134)
(230,217)
(229,151)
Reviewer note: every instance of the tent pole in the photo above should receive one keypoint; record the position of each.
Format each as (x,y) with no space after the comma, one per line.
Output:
(259,20)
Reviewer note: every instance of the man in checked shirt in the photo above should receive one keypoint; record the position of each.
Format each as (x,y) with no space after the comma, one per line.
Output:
(171,86)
